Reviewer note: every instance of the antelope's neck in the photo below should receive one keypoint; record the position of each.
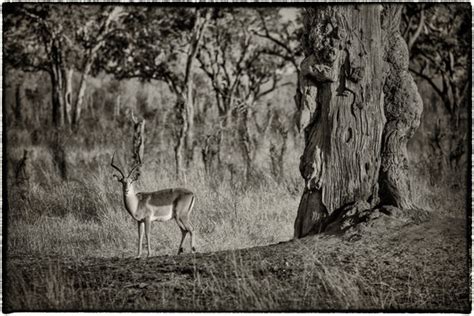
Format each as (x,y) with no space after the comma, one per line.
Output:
(131,202)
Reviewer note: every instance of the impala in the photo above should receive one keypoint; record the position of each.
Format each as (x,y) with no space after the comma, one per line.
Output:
(163,205)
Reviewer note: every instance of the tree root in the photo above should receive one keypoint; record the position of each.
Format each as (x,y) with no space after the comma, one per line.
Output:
(359,218)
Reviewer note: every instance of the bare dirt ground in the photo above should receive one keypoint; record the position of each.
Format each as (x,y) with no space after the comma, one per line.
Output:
(410,267)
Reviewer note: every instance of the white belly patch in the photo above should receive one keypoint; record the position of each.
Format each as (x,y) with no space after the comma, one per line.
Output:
(161,214)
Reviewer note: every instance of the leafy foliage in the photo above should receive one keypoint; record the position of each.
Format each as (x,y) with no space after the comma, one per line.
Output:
(152,45)
(32,34)
(439,38)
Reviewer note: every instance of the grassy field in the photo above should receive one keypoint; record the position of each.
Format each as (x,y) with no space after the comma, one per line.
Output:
(70,246)
(85,216)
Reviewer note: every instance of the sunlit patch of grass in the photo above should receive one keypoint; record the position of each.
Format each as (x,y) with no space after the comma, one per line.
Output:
(85,215)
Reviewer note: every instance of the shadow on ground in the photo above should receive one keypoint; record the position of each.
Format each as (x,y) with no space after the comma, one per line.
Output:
(409,266)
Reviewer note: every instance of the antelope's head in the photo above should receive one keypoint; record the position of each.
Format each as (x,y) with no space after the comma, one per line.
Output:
(127,181)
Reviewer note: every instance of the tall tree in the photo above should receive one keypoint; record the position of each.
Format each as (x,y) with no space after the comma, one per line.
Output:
(283,38)
(364,108)
(438,37)
(439,42)
(58,39)
(95,25)
(162,44)
(35,40)
(242,72)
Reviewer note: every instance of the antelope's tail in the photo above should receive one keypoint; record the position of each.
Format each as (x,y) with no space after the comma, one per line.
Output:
(191,205)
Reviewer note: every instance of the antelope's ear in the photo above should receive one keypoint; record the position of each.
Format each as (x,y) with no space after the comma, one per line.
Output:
(134,119)
(136,176)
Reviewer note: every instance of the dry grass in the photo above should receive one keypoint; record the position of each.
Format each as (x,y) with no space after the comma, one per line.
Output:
(70,243)
(85,215)
(418,268)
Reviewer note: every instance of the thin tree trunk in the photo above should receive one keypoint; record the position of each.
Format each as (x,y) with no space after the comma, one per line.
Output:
(68,97)
(92,103)
(117,107)
(18,110)
(185,106)
(76,115)
(189,134)
(138,143)
(354,81)
(246,141)
(277,156)
(183,123)
(57,87)
(56,98)
(228,104)
(89,58)
(210,152)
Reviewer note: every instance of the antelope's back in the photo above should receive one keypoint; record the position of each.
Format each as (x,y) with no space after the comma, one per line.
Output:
(166,196)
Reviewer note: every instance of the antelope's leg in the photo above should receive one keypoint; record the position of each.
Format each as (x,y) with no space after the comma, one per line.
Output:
(140,238)
(147,233)
(183,235)
(189,228)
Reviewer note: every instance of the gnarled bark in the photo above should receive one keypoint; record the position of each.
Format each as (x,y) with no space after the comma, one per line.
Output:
(402,107)
(361,107)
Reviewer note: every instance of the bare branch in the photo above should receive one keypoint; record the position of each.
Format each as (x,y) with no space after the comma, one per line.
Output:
(414,37)
(408,27)
(429,80)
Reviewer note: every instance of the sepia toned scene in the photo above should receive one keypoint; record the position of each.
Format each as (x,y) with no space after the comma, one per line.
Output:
(236,158)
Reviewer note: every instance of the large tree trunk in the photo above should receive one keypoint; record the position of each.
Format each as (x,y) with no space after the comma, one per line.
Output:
(363,107)
(402,107)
